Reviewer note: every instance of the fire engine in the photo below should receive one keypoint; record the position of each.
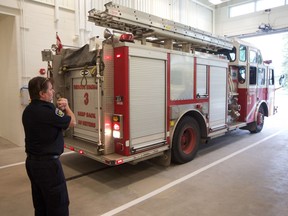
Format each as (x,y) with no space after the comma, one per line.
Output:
(158,88)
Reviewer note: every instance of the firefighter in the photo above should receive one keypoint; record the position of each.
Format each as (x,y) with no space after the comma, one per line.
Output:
(43,124)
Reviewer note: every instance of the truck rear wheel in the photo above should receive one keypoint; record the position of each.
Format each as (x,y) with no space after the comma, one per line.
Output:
(257,126)
(186,140)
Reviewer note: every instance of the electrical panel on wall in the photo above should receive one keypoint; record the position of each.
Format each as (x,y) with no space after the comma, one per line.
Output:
(24,94)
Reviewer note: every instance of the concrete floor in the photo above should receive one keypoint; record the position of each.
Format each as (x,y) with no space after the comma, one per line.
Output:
(238,174)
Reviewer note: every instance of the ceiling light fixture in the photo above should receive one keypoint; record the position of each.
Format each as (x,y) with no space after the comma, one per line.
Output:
(216,2)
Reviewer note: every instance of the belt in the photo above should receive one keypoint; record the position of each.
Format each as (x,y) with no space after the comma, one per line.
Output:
(42,157)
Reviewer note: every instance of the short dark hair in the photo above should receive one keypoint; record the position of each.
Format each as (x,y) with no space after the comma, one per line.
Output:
(36,85)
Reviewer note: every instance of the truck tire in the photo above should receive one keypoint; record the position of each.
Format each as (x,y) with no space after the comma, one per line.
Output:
(257,126)
(186,140)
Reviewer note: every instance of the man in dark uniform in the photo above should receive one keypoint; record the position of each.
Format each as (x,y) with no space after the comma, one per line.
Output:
(43,125)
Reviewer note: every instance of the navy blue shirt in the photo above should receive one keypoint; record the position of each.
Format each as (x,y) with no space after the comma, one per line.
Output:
(43,125)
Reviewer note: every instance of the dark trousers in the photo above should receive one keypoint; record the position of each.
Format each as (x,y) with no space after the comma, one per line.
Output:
(49,190)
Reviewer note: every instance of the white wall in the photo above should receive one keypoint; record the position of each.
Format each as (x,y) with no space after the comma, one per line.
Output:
(39,32)
(189,12)
(10,109)
(29,28)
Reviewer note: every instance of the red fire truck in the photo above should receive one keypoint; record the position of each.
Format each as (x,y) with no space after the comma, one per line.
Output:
(156,88)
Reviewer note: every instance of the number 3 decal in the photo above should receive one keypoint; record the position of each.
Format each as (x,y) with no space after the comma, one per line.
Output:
(86,98)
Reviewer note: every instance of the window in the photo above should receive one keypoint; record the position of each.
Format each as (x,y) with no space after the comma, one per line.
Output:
(261,76)
(267,4)
(271,77)
(242,53)
(259,58)
(232,55)
(252,76)
(254,6)
(242,75)
(252,56)
(242,9)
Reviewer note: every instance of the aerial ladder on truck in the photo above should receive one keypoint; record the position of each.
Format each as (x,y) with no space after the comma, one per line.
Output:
(147,27)
(121,125)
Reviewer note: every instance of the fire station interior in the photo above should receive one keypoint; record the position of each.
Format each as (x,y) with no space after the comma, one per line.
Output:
(239,172)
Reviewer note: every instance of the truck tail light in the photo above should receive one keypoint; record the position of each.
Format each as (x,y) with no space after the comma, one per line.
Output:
(117,126)
(116,131)
(119,161)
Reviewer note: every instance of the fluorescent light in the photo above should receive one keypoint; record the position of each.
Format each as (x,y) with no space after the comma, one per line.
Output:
(216,2)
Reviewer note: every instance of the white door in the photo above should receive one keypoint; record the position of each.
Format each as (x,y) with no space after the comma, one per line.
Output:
(147,101)
(218,91)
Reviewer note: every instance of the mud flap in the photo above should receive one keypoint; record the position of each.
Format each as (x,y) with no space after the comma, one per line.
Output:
(164,160)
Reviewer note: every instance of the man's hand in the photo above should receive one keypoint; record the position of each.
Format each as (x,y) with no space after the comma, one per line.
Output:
(62,103)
